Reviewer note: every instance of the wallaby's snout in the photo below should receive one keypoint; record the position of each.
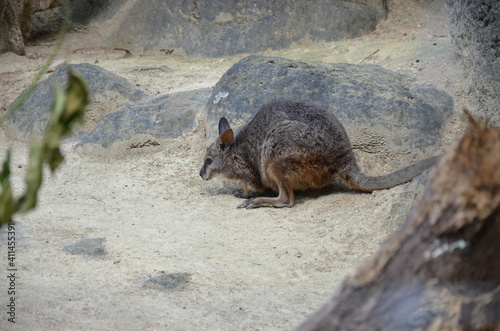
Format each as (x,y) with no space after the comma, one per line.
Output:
(203,172)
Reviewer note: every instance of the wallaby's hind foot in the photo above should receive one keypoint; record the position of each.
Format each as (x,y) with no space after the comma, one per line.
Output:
(284,199)
(265,202)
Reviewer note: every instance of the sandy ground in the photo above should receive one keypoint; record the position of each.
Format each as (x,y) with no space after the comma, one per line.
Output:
(265,269)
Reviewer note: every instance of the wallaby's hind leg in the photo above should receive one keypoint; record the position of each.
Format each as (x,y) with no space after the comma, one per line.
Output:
(284,199)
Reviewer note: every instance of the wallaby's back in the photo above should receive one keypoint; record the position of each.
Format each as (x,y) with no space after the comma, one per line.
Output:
(311,128)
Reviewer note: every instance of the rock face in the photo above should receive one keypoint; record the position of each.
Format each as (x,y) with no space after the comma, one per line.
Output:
(105,87)
(475,31)
(85,11)
(14,25)
(220,27)
(384,113)
(15,21)
(167,116)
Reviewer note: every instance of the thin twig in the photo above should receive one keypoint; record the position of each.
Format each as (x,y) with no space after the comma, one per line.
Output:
(369,56)
(123,49)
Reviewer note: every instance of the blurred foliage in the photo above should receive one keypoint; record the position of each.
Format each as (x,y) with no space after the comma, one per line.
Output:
(67,109)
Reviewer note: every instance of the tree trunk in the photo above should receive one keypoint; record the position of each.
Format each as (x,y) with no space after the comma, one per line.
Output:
(15,21)
(441,270)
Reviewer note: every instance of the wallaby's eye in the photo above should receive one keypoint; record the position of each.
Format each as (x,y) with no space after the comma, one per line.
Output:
(208,162)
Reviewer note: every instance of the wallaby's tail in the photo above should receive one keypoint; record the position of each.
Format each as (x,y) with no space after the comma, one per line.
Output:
(360,181)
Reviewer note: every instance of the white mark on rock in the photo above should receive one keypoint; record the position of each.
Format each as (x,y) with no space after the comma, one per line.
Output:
(219,96)
(442,248)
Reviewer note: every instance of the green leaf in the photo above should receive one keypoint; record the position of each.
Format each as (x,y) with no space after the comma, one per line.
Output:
(54,132)
(68,108)
(54,158)
(33,178)
(7,205)
(77,99)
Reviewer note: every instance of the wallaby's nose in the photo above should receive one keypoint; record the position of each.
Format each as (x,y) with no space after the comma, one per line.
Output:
(203,173)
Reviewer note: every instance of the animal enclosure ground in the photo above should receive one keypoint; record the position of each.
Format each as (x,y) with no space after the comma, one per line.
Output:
(265,269)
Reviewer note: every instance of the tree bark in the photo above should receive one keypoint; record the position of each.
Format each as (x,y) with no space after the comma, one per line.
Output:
(441,270)
(15,21)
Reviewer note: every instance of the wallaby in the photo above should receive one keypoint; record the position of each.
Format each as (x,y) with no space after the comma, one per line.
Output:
(292,145)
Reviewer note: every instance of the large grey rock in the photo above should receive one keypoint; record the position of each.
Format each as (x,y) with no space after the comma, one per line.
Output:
(167,116)
(221,27)
(384,113)
(475,31)
(105,87)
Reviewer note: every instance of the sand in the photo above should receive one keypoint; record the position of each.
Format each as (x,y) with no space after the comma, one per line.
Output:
(264,269)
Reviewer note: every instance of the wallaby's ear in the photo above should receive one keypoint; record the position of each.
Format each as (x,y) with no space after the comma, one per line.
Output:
(223,125)
(226,138)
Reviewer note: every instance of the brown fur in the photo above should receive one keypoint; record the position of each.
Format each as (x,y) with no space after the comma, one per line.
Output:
(291,145)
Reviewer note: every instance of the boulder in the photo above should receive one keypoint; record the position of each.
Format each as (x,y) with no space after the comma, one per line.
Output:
(106,88)
(475,31)
(220,27)
(118,112)
(385,114)
(166,116)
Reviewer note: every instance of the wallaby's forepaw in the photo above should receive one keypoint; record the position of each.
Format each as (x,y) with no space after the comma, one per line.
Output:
(242,195)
